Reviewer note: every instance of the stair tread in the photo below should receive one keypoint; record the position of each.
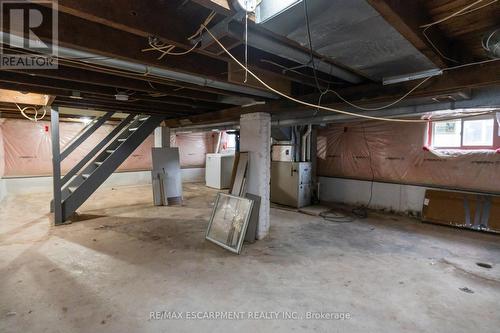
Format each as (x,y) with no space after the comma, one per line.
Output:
(71,201)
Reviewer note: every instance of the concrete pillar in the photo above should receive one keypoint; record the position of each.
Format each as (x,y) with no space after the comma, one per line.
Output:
(162,137)
(255,129)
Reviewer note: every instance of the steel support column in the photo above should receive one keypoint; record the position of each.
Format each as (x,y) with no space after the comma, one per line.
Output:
(56,165)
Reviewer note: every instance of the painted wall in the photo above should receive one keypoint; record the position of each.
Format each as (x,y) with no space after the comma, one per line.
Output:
(25,185)
(395,197)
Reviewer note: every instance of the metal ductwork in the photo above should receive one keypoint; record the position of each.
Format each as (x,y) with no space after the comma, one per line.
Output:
(271,45)
(230,27)
(135,67)
(305,145)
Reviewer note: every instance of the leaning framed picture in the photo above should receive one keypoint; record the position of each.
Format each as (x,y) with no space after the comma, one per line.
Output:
(229,221)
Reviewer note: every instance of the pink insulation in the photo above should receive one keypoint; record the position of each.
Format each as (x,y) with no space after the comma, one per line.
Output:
(27,147)
(398,155)
(193,147)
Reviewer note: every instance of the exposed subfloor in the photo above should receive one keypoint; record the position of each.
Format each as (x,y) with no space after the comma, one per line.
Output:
(128,259)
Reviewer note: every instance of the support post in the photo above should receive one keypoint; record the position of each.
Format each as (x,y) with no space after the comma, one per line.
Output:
(162,137)
(56,165)
(255,136)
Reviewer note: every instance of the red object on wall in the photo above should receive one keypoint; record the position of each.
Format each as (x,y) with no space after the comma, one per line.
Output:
(46,128)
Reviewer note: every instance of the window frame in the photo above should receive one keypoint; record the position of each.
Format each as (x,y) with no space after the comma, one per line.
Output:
(496,134)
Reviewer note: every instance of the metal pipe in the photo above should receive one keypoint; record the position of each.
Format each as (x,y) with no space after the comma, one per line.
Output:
(309,143)
(304,143)
(283,50)
(92,58)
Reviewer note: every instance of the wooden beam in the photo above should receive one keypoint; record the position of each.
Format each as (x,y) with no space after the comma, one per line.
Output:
(76,32)
(161,18)
(219,6)
(108,39)
(92,82)
(475,76)
(63,90)
(122,107)
(407,17)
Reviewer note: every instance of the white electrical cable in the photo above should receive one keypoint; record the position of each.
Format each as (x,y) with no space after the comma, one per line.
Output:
(478,8)
(463,11)
(246,43)
(381,107)
(424,32)
(35,110)
(319,107)
(457,13)
(306,103)
(167,49)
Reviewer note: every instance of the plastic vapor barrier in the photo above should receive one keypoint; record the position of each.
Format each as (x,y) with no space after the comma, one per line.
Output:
(397,153)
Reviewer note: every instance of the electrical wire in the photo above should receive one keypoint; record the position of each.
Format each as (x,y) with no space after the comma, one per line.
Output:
(434,46)
(457,13)
(168,49)
(303,102)
(478,8)
(470,64)
(466,10)
(246,42)
(381,107)
(362,211)
(292,69)
(35,110)
(336,217)
(324,108)
(311,49)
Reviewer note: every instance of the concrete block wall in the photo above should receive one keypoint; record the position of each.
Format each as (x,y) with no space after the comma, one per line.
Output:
(396,197)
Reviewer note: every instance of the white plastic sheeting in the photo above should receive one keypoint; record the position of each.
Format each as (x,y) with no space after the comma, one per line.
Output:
(398,153)
(193,147)
(27,148)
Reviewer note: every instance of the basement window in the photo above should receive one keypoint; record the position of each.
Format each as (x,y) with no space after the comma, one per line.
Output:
(478,133)
(465,134)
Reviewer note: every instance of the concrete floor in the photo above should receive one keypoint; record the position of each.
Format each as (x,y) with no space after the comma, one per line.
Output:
(128,259)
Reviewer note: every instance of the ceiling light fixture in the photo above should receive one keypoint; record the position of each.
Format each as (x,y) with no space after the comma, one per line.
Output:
(412,77)
(76,95)
(122,97)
